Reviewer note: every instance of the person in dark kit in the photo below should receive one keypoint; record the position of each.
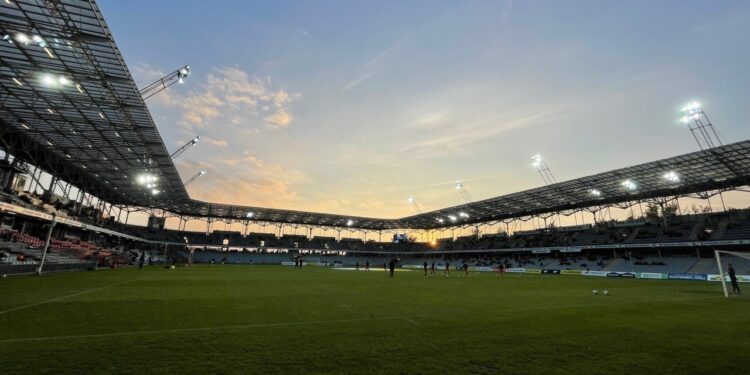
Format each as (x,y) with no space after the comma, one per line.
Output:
(299,258)
(432,270)
(392,265)
(466,269)
(356,266)
(733,279)
(385,266)
(367,265)
(141,260)
(447,268)
(425,268)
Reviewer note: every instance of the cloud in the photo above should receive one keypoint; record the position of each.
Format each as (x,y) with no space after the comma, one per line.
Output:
(218,142)
(249,180)
(229,96)
(356,82)
(279,119)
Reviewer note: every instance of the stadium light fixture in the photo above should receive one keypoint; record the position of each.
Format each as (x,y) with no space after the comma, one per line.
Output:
(536,161)
(23,38)
(411,200)
(459,185)
(452,218)
(147,179)
(463,215)
(249,215)
(440,220)
(595,192)
(155,191)
(183,73)
(672,176)
(349,222)
(629,184)
(48,80)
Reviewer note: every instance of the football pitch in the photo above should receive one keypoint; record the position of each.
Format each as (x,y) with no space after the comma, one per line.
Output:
(273,319)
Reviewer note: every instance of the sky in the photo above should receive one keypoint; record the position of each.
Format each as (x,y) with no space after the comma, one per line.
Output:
(351,107)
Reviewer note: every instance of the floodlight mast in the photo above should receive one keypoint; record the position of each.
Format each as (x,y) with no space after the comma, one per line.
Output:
(463,192)
(184,147)
(195,177)
(178,76)
(543,169)
(700,126)
(414,204)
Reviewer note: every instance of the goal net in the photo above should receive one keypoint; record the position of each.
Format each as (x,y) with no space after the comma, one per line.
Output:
(740,261)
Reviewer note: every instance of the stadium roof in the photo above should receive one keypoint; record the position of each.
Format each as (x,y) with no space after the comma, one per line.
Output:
(70,105)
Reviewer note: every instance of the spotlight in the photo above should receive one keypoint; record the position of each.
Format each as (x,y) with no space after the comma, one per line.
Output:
(672,176)
(452,218)
(23,38)
(349,223)
(536,160)
(48,80)
(63,80)
(249,215)
(595,192)
(629,184)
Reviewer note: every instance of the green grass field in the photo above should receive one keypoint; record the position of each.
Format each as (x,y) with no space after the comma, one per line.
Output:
(274,319)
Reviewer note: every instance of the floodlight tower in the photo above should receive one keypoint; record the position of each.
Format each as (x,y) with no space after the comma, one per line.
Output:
(195,177)
(413,203)
(178,76)
(543,169)
(184,147)
(461,189)
(700,126)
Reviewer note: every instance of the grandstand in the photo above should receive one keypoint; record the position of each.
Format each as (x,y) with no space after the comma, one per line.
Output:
(82,152)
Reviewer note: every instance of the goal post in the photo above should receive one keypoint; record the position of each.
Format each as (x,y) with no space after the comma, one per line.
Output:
(741,260)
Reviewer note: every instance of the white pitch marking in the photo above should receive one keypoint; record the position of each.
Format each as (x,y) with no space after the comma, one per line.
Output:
(198,329)
(63,297)
(411,321)
(179,330)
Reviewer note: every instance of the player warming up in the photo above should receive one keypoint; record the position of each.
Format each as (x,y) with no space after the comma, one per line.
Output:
(447,268)
(733,279)
(392,265)
(432,270)
(466,269)
(425,268)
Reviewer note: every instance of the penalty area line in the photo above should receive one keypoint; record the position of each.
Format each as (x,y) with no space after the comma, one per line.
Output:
(199,329)
(64,297)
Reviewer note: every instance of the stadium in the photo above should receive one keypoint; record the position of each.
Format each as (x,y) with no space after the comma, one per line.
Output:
(119,254)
